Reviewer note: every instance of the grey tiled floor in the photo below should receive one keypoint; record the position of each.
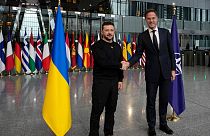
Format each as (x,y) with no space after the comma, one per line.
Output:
(21,101)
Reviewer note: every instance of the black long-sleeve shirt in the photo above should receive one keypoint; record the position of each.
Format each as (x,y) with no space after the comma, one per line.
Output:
(107,60)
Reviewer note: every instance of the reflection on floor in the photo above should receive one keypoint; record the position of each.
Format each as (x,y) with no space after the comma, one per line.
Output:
(21,100)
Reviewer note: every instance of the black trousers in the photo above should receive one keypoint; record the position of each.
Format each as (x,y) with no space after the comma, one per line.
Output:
(151,91)
(104,94)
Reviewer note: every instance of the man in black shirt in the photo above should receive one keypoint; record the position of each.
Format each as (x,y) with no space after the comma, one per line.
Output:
(107,80)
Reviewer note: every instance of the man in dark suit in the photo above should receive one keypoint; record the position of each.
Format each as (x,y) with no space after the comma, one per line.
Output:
(159,69)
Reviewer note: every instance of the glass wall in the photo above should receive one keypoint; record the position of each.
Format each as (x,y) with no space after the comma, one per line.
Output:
(30,23)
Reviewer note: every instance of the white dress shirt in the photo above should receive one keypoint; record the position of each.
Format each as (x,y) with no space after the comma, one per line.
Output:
(157,35)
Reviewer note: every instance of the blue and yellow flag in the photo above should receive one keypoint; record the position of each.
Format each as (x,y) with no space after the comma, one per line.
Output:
(56,108)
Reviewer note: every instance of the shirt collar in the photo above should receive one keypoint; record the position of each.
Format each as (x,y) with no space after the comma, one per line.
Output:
(150,30)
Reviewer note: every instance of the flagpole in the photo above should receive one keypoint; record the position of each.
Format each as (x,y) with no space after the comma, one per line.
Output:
(173,117)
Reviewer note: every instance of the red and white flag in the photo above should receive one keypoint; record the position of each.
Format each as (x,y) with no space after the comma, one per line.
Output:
(68,55)
(9,56)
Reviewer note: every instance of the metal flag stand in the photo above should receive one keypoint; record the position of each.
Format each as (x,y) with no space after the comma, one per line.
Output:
(9,74)
(173,117)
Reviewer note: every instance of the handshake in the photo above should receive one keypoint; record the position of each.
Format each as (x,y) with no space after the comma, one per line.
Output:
(125,65)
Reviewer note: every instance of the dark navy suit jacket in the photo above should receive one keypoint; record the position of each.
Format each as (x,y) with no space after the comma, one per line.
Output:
(161,61)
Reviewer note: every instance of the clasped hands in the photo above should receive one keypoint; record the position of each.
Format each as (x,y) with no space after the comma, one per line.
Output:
(125,65)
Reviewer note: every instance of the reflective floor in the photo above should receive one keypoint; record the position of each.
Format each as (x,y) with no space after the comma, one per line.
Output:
(21,101)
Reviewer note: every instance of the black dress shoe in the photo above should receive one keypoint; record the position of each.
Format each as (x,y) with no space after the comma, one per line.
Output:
(151,132)
(166,129)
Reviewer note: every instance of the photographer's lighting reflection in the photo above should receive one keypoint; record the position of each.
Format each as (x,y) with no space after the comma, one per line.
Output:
(130,111)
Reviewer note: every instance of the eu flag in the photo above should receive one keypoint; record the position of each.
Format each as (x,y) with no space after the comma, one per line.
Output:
(176,96)
(56,109)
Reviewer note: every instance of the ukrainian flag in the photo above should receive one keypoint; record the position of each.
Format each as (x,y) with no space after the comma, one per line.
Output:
(56,108)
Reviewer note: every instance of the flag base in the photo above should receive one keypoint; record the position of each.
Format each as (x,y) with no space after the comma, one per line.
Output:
(87,70)
(75,70)
(9,74)
(173,117)
(16,74)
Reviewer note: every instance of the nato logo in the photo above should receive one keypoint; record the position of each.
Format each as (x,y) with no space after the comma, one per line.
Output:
(178,64)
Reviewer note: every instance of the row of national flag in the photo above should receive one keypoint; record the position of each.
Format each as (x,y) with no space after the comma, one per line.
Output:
(34,57)
(28,59)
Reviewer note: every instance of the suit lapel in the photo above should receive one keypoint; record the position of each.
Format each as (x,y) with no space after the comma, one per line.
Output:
(160,36)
